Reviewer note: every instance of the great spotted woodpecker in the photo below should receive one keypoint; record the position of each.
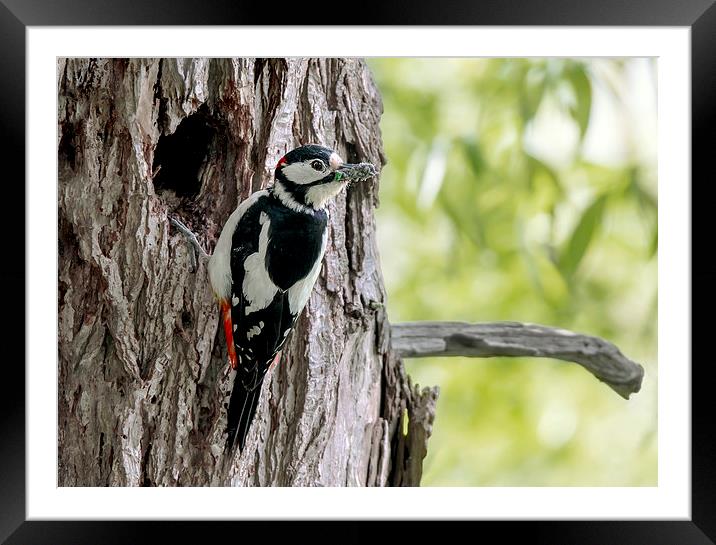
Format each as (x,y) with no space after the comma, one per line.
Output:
(265,264)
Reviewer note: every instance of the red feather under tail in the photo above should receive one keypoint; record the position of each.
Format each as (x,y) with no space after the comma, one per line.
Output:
(229,332)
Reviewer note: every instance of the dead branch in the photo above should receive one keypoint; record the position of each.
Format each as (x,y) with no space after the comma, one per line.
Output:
(487,340)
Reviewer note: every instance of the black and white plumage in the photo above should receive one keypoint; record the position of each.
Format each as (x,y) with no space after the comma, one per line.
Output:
(266,262)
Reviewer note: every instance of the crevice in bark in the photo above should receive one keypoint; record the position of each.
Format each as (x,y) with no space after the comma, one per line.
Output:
(67,147)
(146,461)
(100,459)
(160,100)
(269,81)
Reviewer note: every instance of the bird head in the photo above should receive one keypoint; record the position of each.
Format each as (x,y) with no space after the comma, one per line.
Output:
(308,177)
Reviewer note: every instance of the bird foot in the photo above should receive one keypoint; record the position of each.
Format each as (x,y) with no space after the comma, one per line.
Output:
(198,252)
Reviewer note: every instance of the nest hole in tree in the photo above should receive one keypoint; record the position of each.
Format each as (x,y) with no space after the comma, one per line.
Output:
(191,167)
(180,156)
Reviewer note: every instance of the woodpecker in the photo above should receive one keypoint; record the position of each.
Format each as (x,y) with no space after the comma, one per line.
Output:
(266,262)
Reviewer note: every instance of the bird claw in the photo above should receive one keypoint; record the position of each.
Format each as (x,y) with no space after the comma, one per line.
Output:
(197,250)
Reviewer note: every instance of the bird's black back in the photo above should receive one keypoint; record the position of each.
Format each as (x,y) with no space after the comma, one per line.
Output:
(294,245)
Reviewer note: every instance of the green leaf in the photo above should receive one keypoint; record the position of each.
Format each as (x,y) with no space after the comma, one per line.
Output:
(538,166)
(531,93)
(474,155)
(581,237)
(583,94)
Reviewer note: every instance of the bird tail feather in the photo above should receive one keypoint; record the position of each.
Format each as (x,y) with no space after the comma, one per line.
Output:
(242,408)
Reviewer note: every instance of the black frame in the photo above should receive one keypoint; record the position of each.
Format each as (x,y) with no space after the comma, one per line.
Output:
(15,15)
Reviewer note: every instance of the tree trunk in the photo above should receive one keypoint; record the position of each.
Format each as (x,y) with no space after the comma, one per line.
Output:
(143,373)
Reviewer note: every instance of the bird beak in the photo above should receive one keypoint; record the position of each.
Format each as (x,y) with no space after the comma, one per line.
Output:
(348,172)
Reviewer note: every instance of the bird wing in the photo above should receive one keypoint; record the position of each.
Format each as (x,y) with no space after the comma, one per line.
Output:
(260,311)
(259,321)
(265,304)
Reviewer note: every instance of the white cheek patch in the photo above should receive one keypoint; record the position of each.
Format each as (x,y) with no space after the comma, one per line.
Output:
(303,173)
(335,161)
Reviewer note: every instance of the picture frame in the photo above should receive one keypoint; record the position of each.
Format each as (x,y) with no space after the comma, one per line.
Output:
(700,16)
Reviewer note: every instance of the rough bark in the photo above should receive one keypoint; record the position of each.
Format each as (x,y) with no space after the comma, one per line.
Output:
(143,375)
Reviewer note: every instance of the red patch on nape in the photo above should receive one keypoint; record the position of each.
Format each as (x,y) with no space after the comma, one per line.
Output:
(281,162)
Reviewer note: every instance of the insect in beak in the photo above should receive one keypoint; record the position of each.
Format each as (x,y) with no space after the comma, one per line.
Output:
(348,172)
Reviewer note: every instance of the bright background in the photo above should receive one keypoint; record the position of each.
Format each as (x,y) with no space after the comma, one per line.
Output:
(525,189)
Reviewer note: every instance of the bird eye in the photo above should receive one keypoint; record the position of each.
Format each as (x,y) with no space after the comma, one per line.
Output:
(317,165)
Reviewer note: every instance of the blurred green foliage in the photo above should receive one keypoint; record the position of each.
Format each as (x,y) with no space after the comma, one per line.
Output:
(525,189)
